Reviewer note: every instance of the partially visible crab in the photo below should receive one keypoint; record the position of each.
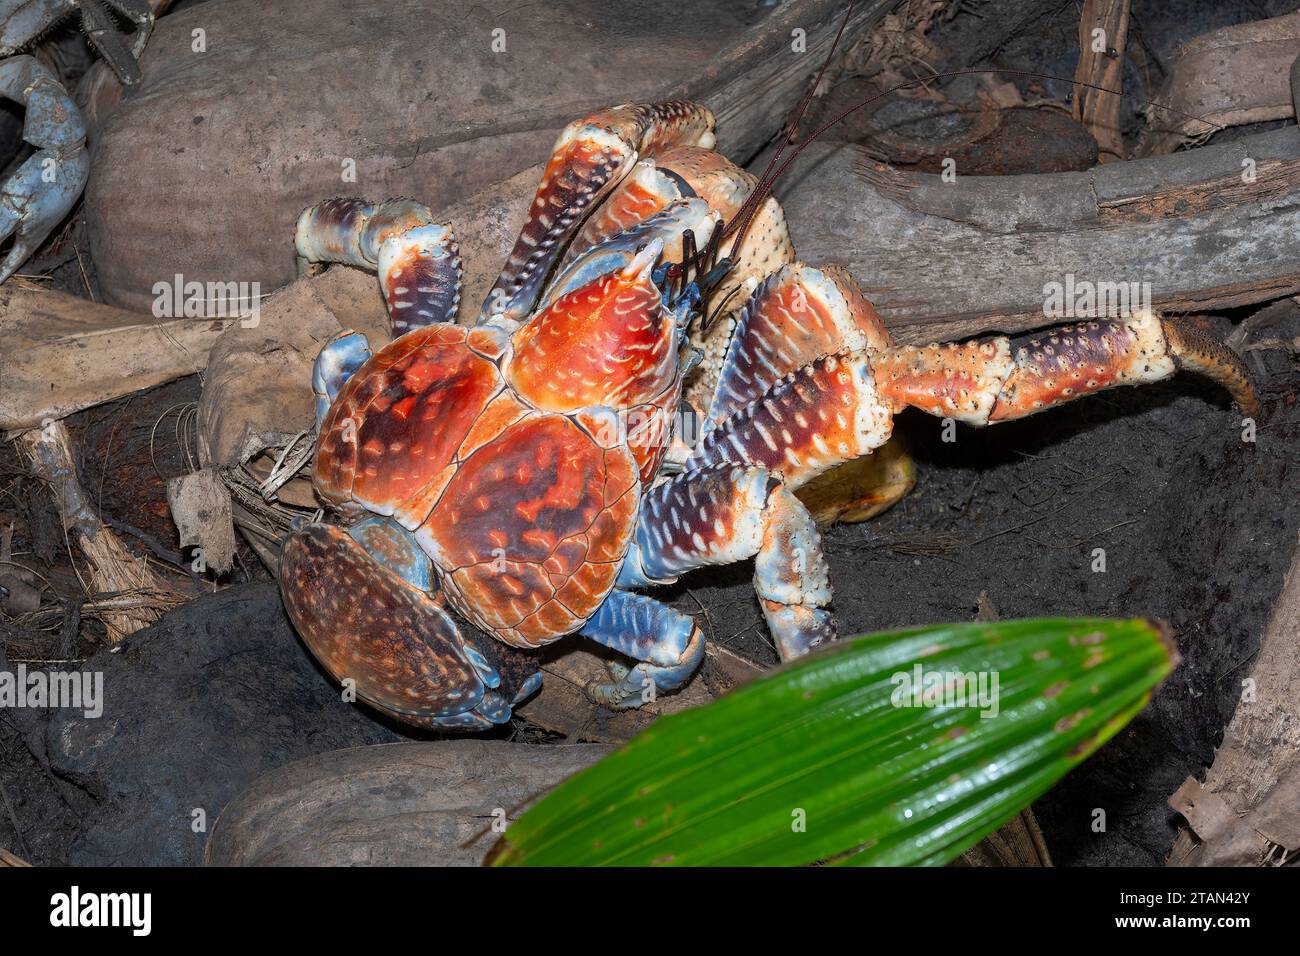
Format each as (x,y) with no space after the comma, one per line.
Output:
(529,472)
(45,187)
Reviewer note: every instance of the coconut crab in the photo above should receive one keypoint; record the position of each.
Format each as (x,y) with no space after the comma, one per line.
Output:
(531,471)
(44,188)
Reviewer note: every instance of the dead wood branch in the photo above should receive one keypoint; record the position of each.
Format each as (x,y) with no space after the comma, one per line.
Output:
(9,859)
(234,220)
(1103,31)
(407,804)
(1226,77)
(63,354)
(1210,228)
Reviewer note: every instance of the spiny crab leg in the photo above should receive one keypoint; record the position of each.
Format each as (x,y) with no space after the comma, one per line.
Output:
(417,260)
(841,406)
(22,22)
(734,497)
(667,644)
(111,44)
(44,188)
(728,513)
(1001,379)
(590,157)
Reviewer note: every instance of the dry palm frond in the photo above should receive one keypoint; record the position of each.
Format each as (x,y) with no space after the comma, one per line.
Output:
(113,569)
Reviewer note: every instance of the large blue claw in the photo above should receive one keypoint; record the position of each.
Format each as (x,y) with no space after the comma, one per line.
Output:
(36,198)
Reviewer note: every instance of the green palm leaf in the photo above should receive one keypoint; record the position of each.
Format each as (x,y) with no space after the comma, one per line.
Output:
(835,759)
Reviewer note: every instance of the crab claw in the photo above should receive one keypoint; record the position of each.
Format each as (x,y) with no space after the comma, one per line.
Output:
(643,263)
(591,157)
(42,191)
(385,638)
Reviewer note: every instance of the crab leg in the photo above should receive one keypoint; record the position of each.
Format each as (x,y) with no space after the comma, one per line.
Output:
(725,514)
(417,260)
(40,193)
(102,31)
(822,415)
(795,316)
(1002,379)
(23,22)
(337,361)
(841,407)
(667,643)
(667,227)
(590,157)
(644,192)
(360,603)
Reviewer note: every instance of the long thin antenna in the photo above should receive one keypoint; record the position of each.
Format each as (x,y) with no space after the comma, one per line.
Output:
(795,118)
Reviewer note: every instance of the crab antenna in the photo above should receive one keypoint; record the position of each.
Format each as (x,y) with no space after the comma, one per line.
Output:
(715,241)
(792,123)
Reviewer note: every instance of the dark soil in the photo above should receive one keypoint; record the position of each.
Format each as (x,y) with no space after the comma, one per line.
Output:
(194,710)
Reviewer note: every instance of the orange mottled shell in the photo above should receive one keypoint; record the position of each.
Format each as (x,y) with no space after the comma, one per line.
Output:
(525,514)
(394,429)
(609,342)
(532,528)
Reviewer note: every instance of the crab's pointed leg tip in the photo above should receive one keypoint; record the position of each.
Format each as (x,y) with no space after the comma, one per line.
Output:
(1195,349)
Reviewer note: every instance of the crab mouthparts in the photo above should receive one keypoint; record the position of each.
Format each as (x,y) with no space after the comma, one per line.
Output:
(643,263)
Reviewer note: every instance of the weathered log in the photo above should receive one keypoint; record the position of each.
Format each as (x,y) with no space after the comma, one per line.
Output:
(62,354)
(1210,228)
(416,804)
(10,859)
(236,144)
(1227,77)
(1018,842)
